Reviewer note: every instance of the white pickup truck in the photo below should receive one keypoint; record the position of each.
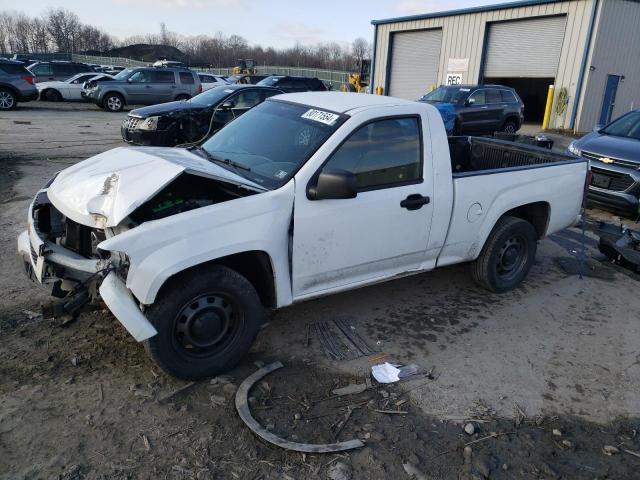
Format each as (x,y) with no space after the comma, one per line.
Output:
(305,195)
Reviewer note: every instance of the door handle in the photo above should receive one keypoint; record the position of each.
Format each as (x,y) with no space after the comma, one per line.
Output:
(414,201)
(483,108)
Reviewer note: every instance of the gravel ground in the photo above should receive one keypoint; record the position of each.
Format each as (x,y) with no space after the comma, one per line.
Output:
(548,375)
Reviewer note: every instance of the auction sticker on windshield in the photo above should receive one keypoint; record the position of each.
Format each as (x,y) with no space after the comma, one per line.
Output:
(320,116)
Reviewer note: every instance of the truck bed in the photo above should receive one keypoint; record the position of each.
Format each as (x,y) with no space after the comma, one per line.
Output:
(477,155)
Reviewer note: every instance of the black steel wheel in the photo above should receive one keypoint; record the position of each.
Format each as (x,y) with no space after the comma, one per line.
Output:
(507,256)
(207,319)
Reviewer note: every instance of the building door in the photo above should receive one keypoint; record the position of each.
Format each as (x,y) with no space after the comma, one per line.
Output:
(609,99)
(415,57)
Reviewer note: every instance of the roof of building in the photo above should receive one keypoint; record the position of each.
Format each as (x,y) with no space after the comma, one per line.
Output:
(463,11)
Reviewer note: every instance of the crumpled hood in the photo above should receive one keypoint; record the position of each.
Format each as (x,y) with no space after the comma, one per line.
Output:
(165,108)
(610,146)
(103,190)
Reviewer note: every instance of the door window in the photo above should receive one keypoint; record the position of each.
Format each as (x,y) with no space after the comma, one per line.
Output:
(479,97)
(492,96)
(165,77)
(43,70)
(141,76)
(384,153)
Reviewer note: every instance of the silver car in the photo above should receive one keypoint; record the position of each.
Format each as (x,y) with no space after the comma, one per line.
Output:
(16,84)
(143,86)
(614,153)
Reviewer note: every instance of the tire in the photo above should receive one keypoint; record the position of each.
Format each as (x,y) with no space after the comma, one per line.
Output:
(507,255)
(510,126)
(179,98)
(53,96)
(216,297)
(8,100)
(113,102)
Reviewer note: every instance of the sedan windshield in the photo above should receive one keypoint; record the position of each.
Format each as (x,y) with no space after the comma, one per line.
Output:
(212,96)
(272,141)
(446,95)
(626,126)
(124,74)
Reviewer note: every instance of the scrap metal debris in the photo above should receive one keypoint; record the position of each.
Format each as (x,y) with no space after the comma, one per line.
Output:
(621,245)
(341,341)
(242,406)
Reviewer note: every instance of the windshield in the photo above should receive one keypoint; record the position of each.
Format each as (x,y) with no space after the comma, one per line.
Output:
(269,81)
(212,96)
(273,139)
(446,95)
(124,74)
(626,126)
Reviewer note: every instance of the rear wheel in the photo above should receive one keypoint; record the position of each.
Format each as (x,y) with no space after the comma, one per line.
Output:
(206,321)
(510,126)
(180,98)
(7,99)
(53,96)
(507,256)
(113,102)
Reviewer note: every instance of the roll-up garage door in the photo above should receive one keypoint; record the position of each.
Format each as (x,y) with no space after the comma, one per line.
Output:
(414,63)
(525,48)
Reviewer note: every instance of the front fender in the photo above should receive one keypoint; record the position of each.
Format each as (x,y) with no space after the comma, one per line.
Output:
(162,248)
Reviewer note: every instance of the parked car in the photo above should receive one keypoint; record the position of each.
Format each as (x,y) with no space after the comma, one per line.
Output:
(209,81)
(477,109)
(144,86)
(16,84)
(57,71)
(174,123)
(70,89)
(614,153)
(305,195)
(294,84)
(245,79)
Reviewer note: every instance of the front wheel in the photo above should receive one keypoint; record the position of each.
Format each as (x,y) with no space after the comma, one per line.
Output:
(113,102)
(507,256)
(510,126)
(207,320)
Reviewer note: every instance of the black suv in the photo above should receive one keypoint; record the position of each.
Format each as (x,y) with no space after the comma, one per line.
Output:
(290,84)
(477,109)
(50,71)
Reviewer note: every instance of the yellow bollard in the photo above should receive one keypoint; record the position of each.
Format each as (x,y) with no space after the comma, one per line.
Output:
(379,90)
(547,109)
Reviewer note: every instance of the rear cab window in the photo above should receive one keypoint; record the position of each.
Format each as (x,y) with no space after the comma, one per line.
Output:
(166,76)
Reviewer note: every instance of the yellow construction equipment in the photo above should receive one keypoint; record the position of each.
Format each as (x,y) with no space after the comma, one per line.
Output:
(359,81)
(246,66)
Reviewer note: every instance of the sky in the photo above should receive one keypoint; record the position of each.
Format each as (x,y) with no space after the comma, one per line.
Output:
(276,23)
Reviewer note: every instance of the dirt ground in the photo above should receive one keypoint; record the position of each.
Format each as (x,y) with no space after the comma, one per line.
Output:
(548,375)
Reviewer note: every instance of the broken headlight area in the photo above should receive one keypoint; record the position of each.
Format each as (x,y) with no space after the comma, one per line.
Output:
(187,192)
(52,226)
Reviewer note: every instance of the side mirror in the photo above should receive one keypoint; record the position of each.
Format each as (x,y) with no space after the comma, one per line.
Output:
(333,185)
(597,128)
(129,80)
(470,101)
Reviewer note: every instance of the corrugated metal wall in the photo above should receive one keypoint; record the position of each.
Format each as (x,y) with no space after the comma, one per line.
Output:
(463,37)
(617,52)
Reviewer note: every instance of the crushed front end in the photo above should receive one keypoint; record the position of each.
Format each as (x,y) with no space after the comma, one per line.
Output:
(64,255)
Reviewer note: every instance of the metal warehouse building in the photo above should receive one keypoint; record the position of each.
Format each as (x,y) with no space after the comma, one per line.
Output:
(588,49)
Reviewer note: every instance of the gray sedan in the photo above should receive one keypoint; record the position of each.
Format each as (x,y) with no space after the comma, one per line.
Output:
(614,152)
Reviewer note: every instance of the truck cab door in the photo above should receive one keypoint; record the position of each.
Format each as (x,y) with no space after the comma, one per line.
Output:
(384,230)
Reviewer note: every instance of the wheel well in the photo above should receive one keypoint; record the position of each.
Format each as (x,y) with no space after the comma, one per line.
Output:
(512,117)
(11,89)
(254,265)
(537,214)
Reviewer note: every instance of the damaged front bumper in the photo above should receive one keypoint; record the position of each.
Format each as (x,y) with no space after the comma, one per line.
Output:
(81,278)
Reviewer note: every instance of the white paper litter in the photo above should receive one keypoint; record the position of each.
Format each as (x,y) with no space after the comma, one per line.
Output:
(385,373)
